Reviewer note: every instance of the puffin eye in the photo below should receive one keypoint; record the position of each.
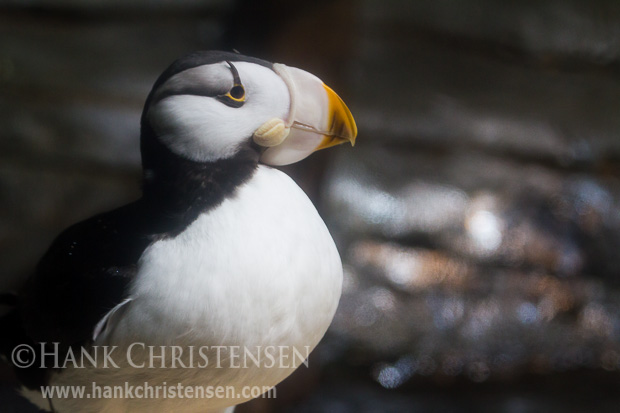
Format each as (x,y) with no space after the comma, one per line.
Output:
(234,98)
(237,92)
(236,95)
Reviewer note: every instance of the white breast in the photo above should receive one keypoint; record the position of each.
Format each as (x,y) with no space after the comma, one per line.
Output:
(259,270)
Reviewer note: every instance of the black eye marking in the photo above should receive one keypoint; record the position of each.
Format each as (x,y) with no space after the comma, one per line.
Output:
(235,97)
(235,73)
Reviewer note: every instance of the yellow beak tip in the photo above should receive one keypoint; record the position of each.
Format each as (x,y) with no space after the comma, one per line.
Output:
(342,123)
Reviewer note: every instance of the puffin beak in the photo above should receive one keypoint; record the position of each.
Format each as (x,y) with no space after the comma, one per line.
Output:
(317,119)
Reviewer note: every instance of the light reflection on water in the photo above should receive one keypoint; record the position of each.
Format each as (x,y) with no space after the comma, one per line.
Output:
(473,282)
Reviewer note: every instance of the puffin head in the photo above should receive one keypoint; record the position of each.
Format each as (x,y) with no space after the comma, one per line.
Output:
(210,106)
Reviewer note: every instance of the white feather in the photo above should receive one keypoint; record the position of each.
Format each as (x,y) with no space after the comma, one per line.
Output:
(102,325)
(180,121)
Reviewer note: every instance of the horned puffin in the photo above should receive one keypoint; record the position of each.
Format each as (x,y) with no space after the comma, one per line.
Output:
(222,251)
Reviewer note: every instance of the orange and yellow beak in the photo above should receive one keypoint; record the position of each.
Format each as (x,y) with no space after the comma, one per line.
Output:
(318,119)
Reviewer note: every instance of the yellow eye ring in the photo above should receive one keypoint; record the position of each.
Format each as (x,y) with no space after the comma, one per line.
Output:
(237,93)
(235,97)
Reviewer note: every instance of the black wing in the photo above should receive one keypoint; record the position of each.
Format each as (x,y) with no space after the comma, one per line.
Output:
(83,275)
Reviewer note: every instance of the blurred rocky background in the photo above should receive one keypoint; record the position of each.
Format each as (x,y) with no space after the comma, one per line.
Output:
(478,216)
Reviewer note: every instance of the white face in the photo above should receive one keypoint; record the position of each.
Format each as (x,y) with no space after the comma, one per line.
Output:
(288,111)
(204,129)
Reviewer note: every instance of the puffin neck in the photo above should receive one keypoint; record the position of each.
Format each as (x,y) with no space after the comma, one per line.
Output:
(177,190)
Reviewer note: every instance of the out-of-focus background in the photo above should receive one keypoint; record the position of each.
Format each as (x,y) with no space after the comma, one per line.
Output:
(478,216)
